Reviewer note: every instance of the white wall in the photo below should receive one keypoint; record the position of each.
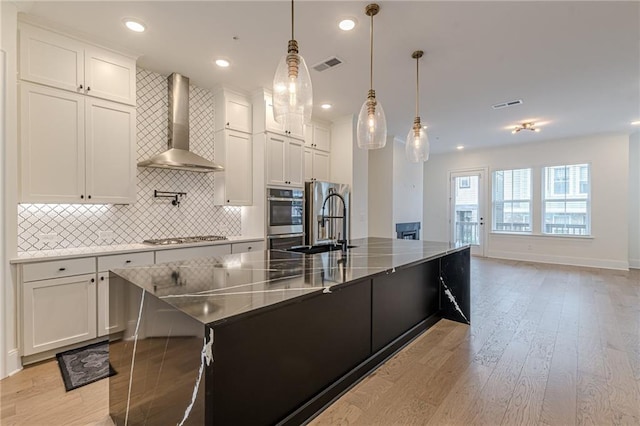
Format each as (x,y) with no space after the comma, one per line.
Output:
(634,200)
(381,191)
(349,164)
(395,189)
(407,188)
(9,359)
(609,159)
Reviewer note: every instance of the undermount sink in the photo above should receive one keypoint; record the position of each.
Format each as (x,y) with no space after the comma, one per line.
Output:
(323,248)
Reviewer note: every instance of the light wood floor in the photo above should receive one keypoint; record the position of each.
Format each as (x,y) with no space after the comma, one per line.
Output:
(549,345)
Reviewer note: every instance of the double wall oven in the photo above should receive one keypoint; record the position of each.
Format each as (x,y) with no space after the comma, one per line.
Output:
(285,218)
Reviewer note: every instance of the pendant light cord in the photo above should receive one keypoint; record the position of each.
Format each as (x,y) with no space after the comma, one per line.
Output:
(292,37)
(417,85)
(371,53)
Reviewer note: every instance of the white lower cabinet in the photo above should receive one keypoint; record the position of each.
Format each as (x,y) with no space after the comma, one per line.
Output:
(111,317)
(246,247)
(188,253)
(58,312)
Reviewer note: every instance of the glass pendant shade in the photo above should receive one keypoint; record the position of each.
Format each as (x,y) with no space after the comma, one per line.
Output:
(292,92)
(417,146)
(372,126)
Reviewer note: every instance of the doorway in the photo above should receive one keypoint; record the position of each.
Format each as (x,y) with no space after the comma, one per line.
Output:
(467,195)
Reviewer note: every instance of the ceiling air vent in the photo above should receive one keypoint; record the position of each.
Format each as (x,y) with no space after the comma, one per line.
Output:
(507,104)
(328,63)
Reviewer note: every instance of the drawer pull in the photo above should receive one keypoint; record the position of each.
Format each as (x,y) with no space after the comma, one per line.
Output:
(101,278)
(250,247)
(127,261)
(62,269)
(93,280)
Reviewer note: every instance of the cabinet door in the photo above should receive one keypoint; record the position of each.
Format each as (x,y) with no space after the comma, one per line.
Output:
(295,162)
(52,145)
(110,152)
(238,112)
(109,76)
(271,124)
(239,169)
(321,137)
(276,159)
(320,166)
(58,312)
(308,164)
(110,315)
(51,59)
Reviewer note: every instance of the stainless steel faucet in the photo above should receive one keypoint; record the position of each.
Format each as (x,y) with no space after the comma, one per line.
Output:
(344,216)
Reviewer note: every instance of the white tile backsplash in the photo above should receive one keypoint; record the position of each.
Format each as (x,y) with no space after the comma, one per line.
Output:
(77,225)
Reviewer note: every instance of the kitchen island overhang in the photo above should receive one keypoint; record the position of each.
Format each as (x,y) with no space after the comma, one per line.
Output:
(273,337)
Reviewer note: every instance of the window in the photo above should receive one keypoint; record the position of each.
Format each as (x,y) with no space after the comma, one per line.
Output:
(463,182)
(566,200)
(512,200)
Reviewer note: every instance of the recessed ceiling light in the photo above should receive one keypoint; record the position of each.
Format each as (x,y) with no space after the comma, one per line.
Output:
(222,63)
(326,106)
(134,25)
(635,123)
(347,24)
(460,147)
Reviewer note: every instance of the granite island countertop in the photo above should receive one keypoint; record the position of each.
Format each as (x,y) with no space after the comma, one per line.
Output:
(215,289)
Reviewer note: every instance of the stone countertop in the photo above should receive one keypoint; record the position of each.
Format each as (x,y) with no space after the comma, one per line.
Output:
(215,289)
(70,253)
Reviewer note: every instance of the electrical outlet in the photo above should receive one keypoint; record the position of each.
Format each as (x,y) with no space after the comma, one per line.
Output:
(106,235)
(48,238)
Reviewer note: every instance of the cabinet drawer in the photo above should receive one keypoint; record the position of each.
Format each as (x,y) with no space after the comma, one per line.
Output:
(117,261)
(188,253)
(58,269)
(245,247)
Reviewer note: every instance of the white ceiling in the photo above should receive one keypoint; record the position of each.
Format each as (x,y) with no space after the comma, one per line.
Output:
(576,65)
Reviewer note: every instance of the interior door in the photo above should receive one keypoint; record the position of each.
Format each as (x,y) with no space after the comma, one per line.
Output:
(467,211)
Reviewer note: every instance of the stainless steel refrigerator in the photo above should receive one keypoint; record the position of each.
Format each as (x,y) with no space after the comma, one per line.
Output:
(318,228)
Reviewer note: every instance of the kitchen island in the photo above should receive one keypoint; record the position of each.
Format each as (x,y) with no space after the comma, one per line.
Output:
(273,337)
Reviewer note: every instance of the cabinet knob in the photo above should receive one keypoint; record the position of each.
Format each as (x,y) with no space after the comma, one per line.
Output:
(88,88)
(89,196)
(80,87)
(62,269)
(227,123)
(101,278)
(127,261)
(82,197)
(228,201)
(249,248)
(93,280)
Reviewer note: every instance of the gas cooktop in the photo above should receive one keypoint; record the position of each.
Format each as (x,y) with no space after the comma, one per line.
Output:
(184,240)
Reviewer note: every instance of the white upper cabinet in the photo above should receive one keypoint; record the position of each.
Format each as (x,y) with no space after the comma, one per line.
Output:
(110,152)
(316,165)
(75,149)
(285,161)
(232,111)
(263,120)
(318,136)
(234,186)
(52,145)
(52,59)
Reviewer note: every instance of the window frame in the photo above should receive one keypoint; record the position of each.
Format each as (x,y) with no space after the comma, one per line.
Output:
(566,199)
(512,201)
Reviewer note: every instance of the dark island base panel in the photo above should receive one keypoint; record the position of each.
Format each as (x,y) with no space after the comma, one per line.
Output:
(281,365)
(158,368)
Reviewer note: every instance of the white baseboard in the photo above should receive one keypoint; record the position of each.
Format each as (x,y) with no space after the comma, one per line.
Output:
(13,362)
(634,263)
(560,260)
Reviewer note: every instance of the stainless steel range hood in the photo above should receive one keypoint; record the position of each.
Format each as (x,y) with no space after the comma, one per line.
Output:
(178,156)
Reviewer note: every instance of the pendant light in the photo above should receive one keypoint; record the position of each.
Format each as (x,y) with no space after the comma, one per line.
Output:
(292,92)
(417,146)
(372,124)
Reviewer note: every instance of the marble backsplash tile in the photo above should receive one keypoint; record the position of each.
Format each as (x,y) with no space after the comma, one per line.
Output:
(77,225)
